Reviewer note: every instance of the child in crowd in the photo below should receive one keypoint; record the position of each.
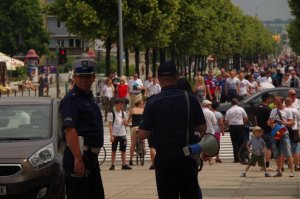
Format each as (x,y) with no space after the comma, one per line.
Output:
(117,127)
(258,148)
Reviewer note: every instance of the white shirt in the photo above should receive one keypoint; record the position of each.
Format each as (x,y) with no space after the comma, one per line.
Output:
(118,128)
(253,86)
(134,84)
(219,117)
(211,120)
(108,91)
(153,89)
(285,114)
(296,104)
(296,117)
(244,84)
(235,115)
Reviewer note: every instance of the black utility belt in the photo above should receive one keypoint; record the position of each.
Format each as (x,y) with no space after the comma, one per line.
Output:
(91,149)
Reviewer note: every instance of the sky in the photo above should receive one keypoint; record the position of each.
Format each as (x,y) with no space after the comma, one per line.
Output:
(266,9)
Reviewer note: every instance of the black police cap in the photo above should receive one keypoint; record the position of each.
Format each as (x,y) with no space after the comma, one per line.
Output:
(167,69)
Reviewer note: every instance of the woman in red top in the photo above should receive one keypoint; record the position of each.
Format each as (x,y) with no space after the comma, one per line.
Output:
(122,91)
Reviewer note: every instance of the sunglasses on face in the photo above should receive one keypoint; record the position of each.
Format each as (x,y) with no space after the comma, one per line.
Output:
(292,94)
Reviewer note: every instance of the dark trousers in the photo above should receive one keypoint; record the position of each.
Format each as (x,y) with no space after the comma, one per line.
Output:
(176,176)
(88,187)
(231,94)
(237,135)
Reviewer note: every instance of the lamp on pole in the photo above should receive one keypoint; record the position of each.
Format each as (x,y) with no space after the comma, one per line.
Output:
(120,37)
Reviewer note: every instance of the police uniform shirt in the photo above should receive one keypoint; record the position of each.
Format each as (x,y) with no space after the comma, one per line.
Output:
(165,115)
(235,115)
(80,111)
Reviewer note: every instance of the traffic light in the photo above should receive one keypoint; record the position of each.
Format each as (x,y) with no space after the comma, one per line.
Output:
(62,55)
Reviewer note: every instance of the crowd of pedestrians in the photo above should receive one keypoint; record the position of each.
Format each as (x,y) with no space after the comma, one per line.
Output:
(276,134)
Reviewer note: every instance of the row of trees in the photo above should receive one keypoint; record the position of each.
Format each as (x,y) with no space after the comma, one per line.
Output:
(184,31)
(21,27)
(294,26)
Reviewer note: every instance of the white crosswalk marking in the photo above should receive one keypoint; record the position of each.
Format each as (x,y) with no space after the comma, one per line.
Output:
(226,151)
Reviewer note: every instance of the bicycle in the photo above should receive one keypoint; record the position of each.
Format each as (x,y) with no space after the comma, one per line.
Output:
(140,151)
(102,156)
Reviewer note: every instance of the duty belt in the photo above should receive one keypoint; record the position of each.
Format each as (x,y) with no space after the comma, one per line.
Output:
(91,149)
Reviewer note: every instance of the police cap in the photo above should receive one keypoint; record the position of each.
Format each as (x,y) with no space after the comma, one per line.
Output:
(84,67)
(167,69)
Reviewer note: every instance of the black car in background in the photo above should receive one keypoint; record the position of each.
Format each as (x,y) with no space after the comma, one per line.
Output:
(250,103)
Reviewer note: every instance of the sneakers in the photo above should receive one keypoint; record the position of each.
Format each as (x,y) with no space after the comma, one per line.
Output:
(291,175)
(151,167)
(278,174)
(267,175)
(243,174)
(112,167)
(126,167)
(130,162)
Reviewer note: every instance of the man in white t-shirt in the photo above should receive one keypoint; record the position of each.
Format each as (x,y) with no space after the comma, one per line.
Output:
(244,87)
(210,118)
(135,89)
(295,102)
(236,117)
(117,127)
(153,88)
(282,145)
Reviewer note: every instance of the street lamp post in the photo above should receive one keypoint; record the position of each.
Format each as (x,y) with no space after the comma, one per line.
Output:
(57,72)
(120,37)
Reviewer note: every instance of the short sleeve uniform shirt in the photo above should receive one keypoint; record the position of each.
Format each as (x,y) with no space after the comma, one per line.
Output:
(80,111)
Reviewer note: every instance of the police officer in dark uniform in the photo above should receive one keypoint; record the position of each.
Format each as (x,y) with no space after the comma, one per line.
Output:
(165,115)
(83,130)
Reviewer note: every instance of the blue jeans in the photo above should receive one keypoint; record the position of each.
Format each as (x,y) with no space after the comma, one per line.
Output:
(282,147)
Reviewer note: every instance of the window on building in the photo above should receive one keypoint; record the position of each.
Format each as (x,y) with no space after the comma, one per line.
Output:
(78,43)
(58,24)
(71,43)
(60,42)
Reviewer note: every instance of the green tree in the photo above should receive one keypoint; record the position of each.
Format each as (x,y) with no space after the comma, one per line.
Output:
(294,26)
(22,27)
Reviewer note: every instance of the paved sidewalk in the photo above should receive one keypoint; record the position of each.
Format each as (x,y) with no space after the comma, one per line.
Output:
(218,181)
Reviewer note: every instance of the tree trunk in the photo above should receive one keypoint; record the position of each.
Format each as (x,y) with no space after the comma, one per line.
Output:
(137,60)
(173,55)
(195,67)
(147,61)
(154,58)
(190,68)
(162,55)
(108,43)
(127,61)
(118,61)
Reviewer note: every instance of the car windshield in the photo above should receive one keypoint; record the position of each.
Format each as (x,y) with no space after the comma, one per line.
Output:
(24,122)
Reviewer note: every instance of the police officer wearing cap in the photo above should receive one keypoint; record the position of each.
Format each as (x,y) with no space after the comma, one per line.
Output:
(165,120)
(83,131)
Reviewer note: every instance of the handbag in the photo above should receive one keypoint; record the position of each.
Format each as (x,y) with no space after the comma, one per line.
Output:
(294,136)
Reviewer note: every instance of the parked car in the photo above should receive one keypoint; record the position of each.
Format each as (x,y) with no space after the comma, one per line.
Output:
(31,149)
(250,103)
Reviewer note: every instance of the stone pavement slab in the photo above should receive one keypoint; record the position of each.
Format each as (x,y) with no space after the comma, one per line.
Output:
(218,181)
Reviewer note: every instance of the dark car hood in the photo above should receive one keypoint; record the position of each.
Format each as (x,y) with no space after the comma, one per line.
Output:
(20,149)
(224,107)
